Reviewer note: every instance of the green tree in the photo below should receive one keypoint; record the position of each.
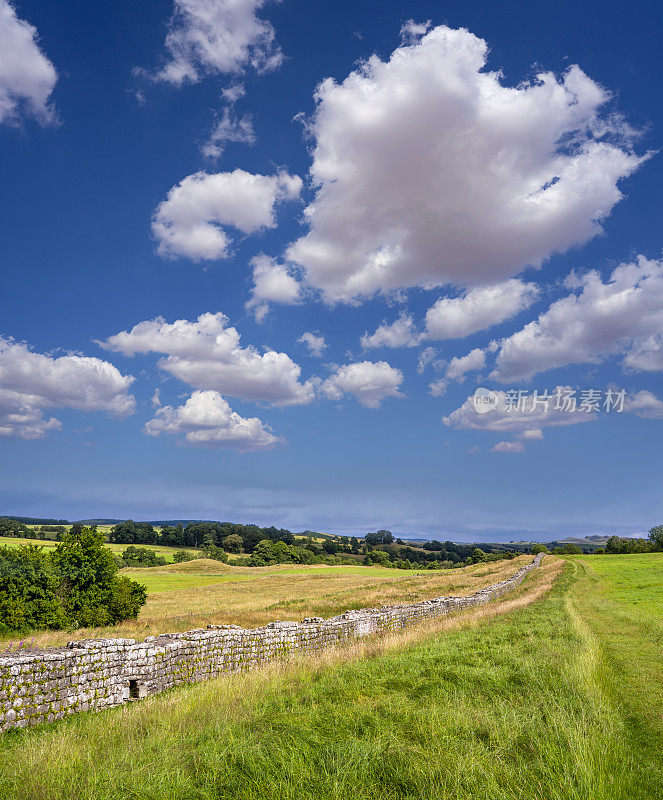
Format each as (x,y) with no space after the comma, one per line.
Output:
(539,548)
(91,592)
(263,554)
(656,535)
(28,590)
(126,599)
(209,539)
(232,543)
(11,527)
(216,553)
(182,555)
(378,557)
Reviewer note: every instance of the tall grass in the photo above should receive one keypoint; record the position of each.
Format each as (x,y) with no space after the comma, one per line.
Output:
(199,593)
(508,707)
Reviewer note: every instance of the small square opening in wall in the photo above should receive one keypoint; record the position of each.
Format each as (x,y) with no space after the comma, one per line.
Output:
(133,690)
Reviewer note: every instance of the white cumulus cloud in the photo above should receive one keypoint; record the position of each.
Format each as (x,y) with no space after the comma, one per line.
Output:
(508,447)
(22,417)
(230,128)
(400,333)
(207,355)
(478,309)
(645,404)
(624,315)
(370,382)
(27,77)
(193,219)
(645,355)
(532,434)
(428,356)
(272,283)
(438,388)
(316,344)
(429,170)
(217,37)
(206,420)
(32,382)
(460,366)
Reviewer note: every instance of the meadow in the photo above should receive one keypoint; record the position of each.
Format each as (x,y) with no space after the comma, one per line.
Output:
(49,544)
(202,592)
(551,693)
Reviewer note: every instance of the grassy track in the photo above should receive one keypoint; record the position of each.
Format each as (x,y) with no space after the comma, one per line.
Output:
(619,603)
(539,703)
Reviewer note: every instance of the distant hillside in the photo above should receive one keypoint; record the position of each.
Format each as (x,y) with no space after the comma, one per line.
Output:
(587,543)
(585,539)
(158,523)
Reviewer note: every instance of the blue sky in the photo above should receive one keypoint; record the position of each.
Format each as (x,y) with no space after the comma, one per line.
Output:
(434,188)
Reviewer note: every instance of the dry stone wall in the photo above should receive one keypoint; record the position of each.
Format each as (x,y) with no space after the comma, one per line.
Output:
(87,675)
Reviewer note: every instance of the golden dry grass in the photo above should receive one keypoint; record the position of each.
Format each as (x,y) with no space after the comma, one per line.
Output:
(252,597)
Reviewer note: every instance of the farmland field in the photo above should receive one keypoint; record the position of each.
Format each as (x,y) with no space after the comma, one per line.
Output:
(201,592)
(551,693)
(166,552)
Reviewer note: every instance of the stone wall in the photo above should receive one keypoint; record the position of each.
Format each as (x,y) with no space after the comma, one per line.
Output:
(45,685)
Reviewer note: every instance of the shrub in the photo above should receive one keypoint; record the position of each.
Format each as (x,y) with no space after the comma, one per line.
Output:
(141,557)
(182,555)
(126,600)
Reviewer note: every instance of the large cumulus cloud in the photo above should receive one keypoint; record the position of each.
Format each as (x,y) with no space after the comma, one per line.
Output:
(430,170)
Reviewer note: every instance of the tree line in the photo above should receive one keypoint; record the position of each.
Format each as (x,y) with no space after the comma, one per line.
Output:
(197,534)
(654,543)
(616,545)
(14,527)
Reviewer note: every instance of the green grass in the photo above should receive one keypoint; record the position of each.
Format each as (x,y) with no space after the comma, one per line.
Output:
(547,702)
(621,603)
(630,582)
(166,552)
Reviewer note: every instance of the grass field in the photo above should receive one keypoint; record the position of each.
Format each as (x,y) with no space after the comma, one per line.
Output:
(201,592)
(620,608)
(532,698)
(166,552)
